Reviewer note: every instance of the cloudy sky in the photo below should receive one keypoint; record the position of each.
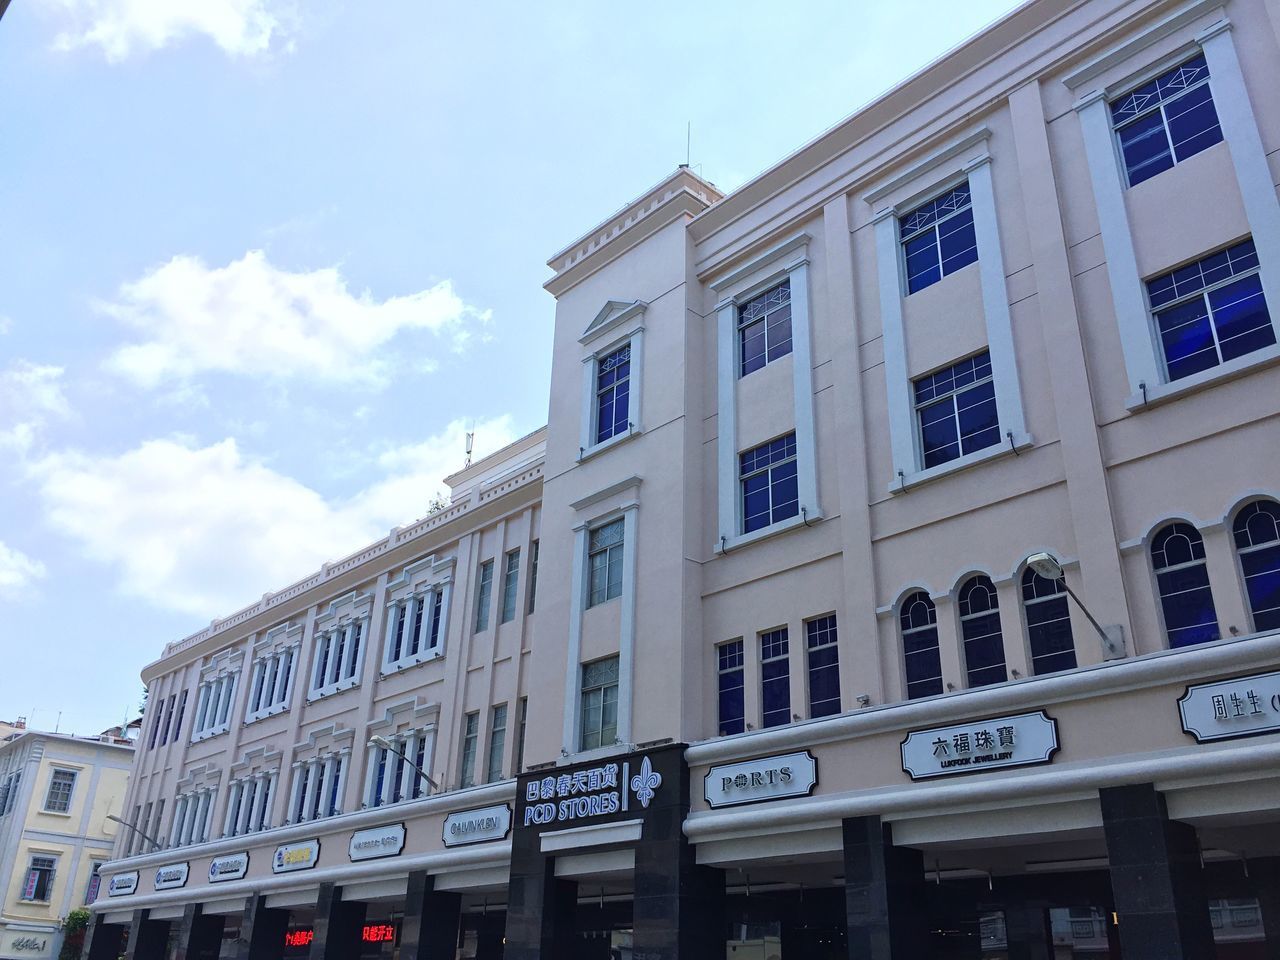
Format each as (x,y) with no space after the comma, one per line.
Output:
(263,263)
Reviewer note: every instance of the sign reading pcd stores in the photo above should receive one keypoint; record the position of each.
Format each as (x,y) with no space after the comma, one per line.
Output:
(590,792)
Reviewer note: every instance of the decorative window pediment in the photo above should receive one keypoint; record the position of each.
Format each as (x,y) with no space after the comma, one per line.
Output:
(613,314)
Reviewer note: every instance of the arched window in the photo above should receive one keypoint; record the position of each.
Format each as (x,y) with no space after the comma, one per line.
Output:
(1257,533)
(919,621)
(980,628)
(1048,623)
(1177,556)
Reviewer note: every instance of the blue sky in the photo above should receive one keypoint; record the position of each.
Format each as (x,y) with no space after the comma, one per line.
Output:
(263,263)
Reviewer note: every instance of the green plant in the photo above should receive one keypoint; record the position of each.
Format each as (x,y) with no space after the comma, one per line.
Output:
(74,925)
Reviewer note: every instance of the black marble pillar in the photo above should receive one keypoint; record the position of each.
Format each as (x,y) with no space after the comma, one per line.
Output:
(1156,877)
(148,939)
(199,936)
(1026,927)
(102,940)
(337,926)
(1264,875)
(429,930)
(678,906)
(490,931)
(262,931)
(540,907)
(884,894)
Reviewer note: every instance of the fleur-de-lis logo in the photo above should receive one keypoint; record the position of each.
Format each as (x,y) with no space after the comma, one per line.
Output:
(646,782)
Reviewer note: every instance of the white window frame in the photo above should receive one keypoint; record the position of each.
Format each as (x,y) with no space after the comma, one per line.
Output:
(413,735)
(788,260)
(617,325)
(216,694)
(966,158)
(1096,84)
(333,629)
(32,857)
(417,583)
(71,793)
(621,546)
(277,656)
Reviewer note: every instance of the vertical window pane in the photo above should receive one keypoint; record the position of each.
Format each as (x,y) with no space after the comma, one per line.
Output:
(956,410)
(497,742)
(1177,555)
(613,388)
(599,726)
(764,328)
(775,678)
(732,703)
(980,630)
(510,581)
(604,562)
(824,667)
(484,593)
(768,483)
(1048,623)
(1257,536)
(1166,120)
(938,238)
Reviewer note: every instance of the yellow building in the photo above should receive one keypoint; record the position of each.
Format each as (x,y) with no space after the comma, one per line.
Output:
(56,792)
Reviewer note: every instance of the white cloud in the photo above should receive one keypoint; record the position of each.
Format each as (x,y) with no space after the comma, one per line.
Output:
(30,395)
(206,530)
(17,570)
(255,319)
(242,28)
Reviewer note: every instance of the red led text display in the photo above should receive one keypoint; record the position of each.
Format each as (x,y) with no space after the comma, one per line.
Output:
(369,933)
(299,938)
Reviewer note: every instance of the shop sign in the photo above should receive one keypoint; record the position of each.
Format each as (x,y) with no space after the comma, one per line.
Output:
(590,792)
(980,745)
(295,856)
(477,826)
(231,867)
(123,884)
(378,842)
(172,877)
(29,944)
(369,933)
(1243,707)
(765,778)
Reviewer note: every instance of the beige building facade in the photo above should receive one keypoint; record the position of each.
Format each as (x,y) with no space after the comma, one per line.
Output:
(908,527)
(56,793)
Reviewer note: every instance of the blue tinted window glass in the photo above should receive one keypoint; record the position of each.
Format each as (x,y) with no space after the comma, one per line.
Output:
(1241,318)
(1145,145)
(923,263)
(1187,339)
(764,328)
(1193,123)
(958,241)
(1262,583)
(1174,109)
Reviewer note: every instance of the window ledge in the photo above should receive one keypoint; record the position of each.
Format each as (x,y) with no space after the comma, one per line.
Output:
(57,813)
(1162,392)
(212,732)
(268,712)
(390,669)
(729,544)
(332,688)
(587,453)
(910,481)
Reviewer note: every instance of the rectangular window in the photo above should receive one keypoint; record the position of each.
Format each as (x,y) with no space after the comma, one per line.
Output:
(767,475)
(470,738)
(599,703)
(956,410)
(524,720)
(1166,120)
(732,702)
(510,581)
(764,328)
(58,797)
(168,721)
(497,743)
(182,709)
(824,666)
(484,592)
(39,883)
(1211,311)
(775,677)
(604,562)
(938,238)
(613,393)
(533,576)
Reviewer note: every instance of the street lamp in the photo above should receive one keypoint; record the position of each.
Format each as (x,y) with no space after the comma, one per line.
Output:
(385,744)
(1112,638)
(155,843)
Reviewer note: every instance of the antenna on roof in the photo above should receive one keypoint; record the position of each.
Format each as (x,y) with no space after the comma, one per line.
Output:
(471,442)
(688,142)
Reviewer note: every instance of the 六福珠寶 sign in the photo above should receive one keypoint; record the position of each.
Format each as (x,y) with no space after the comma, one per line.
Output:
(1014,741)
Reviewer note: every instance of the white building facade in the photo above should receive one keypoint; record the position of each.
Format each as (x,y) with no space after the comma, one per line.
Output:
(908,523)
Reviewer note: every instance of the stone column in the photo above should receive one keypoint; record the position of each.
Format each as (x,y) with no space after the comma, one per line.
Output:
(1264,873)
(540,907)
(429,930)
(199,936)
(337,925)
(102,940)
(148,939)
(678,911)
(1156,877)
(262,931)
(884,891)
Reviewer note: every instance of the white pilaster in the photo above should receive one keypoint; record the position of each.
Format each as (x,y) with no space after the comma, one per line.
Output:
(408,744)
(204,813)
(259,799)
(256,681)
(1127,297)
(229,822)
(248,797)
(573,669)
(343,762)
(189,817)
(727,419)
(202,706)
(175,832)
(386,788)
(897,378)
(428,754)
(1248,156)
(326,785)
(627,624)
(370,777)
(995,303)
(313,788)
